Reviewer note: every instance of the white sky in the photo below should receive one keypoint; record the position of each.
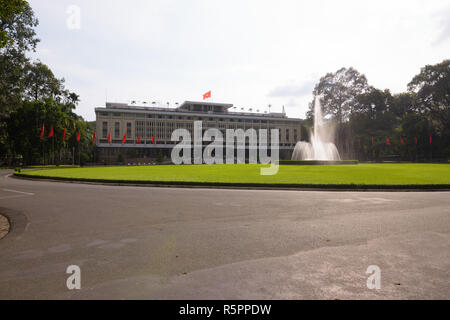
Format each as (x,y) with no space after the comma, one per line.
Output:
(249,53)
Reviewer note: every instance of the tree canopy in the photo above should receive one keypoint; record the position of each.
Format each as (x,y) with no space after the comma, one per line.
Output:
(30,94)
(365,116)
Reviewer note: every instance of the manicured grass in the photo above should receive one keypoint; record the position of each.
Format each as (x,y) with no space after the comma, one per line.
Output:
(361,175)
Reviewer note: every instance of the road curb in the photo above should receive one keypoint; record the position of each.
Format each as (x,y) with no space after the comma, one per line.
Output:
(194,185)
(4,226)
(17,223)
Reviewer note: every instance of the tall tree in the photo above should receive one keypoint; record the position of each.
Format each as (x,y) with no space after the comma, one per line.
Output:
(18,37)
(432,89)
(373,102)
(403,104)
(339,91)
(432,86)
(40,82)
(8,10)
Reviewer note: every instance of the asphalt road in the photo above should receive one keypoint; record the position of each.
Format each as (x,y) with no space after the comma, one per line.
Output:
(176,243)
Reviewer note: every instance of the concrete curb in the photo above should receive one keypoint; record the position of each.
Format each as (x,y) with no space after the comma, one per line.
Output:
(238,187)
(4,226)
(17,223)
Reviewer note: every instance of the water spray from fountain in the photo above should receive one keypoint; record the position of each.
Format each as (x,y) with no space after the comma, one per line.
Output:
(317,148)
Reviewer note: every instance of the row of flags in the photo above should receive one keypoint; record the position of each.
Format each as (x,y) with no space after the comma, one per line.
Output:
(124,139)
(51,134)
(388,141)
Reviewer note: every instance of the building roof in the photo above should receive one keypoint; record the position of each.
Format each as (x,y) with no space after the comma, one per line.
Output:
(203,103)
(212,108)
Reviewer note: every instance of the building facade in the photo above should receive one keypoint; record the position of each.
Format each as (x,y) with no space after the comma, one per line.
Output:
(143,123)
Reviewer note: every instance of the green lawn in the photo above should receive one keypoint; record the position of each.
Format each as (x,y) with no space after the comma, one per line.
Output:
(408,174)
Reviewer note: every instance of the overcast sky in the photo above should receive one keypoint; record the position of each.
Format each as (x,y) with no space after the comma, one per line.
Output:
(249,53)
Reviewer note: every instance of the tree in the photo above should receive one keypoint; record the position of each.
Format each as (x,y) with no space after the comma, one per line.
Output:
(17,36)
(17,24)
(17,31)
(40,82)
(373,102)
(24,125)
(339,91)
(432,89)
(432,86)
(8,9)
(403,104)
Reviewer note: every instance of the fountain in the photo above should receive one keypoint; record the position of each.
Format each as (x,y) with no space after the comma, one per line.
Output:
(317,149)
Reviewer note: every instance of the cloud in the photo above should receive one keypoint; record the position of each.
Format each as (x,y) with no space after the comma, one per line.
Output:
(444,23)
(174,50)
(293,90)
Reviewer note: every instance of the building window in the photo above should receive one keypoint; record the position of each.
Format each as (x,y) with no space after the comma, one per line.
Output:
(117,129)
(104,129)
(287,134)
(128,129)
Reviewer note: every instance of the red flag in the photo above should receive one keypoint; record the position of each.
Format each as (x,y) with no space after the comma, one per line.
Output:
(415,140)
(50,134)
(139,139)
(207,95)
(42,131)
(124,139)
(109,136)
(359,142)
(372,141)
(153,139)
(78,135)
(430,140)
(388,142)
(94,136)
(346,143)
(401,140)
(64,135)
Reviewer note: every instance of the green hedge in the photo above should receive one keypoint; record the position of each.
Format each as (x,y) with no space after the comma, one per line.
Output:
(315,162)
